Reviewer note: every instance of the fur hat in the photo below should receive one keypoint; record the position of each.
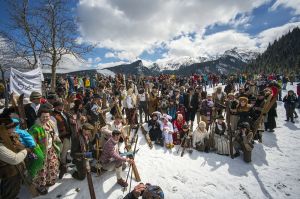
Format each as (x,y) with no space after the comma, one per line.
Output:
(87,126)
(202,124)
(245,99)
(230,94)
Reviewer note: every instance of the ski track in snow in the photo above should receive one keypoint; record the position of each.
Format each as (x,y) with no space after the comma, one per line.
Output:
(273,173)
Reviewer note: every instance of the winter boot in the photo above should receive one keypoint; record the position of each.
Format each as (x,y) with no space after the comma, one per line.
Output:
(122,183)
(237,154)
(43,190)
(62,171)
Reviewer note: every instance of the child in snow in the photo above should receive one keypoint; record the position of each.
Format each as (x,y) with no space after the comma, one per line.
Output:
(187,138)
(178,132)
(167,129)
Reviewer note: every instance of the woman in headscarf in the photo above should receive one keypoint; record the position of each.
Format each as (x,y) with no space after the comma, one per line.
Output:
(201,137)
(43,131)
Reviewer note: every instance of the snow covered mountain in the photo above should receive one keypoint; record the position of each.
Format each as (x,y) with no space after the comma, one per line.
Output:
(178,62)
(241,54)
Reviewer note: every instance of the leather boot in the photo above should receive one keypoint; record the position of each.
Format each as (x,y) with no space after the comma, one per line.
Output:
(62,171)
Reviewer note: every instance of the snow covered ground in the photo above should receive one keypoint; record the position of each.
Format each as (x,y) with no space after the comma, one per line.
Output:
(273,173)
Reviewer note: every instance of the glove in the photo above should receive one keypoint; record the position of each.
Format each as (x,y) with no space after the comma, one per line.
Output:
(32,156)
(97,136)
(88,154)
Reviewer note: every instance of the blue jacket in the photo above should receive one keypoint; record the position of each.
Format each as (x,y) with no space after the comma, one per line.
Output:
(25,138)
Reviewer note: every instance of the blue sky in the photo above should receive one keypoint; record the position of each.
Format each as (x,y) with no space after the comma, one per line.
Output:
(158,30)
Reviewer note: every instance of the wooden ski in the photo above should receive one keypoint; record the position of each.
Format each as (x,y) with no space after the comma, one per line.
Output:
(264,111)
(22,112)
(134,168)
(90,181)
(88,170)
(146,134)
(229,130)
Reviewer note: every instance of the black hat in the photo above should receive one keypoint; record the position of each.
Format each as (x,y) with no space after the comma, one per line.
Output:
(153,191)
(261,93)
(7,111)
(220,117)
(8,123)
(116,132)
(252,98)
(97,96)
(244,125)
(58,103)
(185,126)
(52,97)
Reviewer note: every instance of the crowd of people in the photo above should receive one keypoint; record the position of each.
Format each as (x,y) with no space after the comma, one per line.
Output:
(91,118)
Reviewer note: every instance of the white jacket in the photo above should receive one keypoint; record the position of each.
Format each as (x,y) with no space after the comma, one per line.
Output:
(199,136)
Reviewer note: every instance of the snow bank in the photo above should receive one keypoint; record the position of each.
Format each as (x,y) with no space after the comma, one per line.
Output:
(273,173)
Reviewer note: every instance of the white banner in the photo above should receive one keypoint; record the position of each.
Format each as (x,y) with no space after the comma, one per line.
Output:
(26,82)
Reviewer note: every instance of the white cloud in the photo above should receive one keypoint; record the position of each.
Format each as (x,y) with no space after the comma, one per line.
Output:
(294,4)
(269,35)
(110,64)
(109,55)
(133,26)
(217,43)
(97,59)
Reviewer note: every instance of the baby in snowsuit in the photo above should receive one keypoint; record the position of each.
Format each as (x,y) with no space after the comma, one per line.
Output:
(167,130)
(36,156)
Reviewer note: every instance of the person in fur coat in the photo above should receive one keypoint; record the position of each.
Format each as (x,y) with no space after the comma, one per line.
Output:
(243,110)
(200,137)
(242,141)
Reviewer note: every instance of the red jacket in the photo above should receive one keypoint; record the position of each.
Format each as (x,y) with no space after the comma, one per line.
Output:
(178,125)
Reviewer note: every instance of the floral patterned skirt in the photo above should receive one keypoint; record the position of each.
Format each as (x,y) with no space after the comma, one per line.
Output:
(47,176)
